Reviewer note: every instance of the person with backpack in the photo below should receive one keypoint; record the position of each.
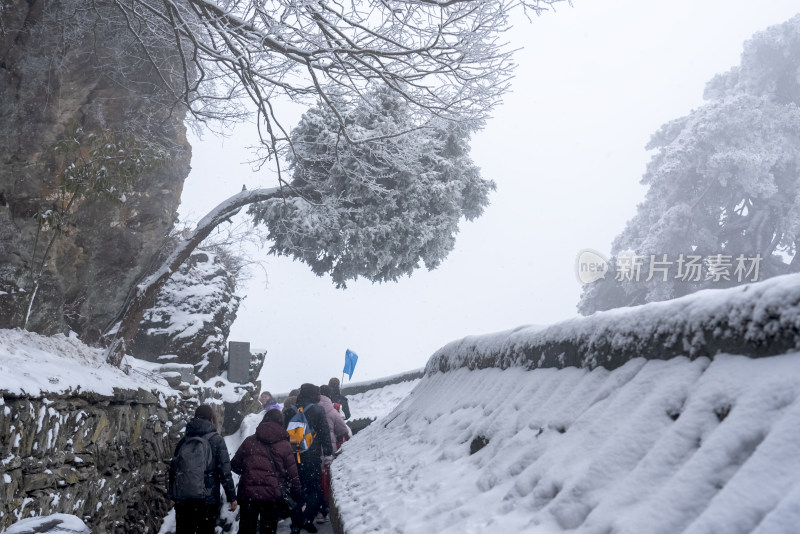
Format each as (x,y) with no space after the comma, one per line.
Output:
(199,466)
(310,460)
(337,397)
(265,462)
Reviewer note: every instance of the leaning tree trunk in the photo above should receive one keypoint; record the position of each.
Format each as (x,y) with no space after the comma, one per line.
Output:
(144,293)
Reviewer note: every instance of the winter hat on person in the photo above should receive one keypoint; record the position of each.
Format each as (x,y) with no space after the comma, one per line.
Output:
(274,416)
(333,383)
(325,390)
(204,412)
(290,401)
(309,393)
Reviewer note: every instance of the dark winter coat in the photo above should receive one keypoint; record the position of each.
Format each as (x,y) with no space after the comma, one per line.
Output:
(222,462)
(321,446)
(261,477)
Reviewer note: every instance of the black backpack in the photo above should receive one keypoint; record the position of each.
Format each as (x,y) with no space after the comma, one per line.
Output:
(190,468)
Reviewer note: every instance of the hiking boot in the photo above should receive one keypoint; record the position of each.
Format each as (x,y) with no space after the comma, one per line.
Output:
(309,526)
(294,530)
(322,519)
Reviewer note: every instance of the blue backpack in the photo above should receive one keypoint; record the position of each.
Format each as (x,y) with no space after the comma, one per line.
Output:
(301,435)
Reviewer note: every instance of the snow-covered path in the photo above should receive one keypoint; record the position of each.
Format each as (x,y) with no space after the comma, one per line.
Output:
(324,528)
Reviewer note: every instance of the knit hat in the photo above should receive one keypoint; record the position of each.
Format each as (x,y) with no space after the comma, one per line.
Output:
(204,412)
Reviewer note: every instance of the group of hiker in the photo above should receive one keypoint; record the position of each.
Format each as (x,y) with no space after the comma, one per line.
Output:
(284,466)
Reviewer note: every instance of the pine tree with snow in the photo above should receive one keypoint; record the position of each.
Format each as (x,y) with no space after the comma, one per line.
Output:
(722,187)
(379,207)
(374,206)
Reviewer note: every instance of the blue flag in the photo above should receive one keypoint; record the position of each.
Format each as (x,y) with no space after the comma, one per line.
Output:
(350,359)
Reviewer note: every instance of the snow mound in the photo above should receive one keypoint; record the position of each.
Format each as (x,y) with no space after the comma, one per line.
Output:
(663,447)
(51,524)
(34,364)
(379,402)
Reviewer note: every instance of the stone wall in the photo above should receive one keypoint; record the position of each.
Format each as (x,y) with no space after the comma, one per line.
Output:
(101,458)
(363,387)
(756,320)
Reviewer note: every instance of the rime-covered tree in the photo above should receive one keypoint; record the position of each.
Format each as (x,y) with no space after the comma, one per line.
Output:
(724,181)
(372,209)
(378,208)
(443,62)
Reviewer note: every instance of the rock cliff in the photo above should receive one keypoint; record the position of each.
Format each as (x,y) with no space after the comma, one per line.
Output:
(66,63)
(192,316)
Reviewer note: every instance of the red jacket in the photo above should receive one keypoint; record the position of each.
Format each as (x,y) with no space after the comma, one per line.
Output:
(259,481)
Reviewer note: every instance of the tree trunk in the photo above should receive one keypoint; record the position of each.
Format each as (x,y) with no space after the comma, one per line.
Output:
(143,295)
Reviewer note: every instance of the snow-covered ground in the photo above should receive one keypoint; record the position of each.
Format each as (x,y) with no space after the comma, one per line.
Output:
(52,524)
(652,447)
(33,364)
(376,403)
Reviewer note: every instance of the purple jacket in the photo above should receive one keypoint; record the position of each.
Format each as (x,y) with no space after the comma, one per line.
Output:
(336,423)
(259,481)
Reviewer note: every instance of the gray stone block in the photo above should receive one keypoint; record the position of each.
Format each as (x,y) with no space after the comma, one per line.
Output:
(239,362)
(184,370)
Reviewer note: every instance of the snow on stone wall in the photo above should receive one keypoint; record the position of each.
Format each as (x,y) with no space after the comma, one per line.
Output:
(672,417)
(80,437)
(761,319)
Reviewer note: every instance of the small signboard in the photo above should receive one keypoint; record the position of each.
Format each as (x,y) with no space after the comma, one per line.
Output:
(239,362)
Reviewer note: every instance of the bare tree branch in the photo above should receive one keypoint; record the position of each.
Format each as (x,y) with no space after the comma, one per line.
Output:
(444,57)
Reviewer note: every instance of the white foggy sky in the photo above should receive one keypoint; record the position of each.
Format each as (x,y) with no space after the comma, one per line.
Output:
(566,150)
